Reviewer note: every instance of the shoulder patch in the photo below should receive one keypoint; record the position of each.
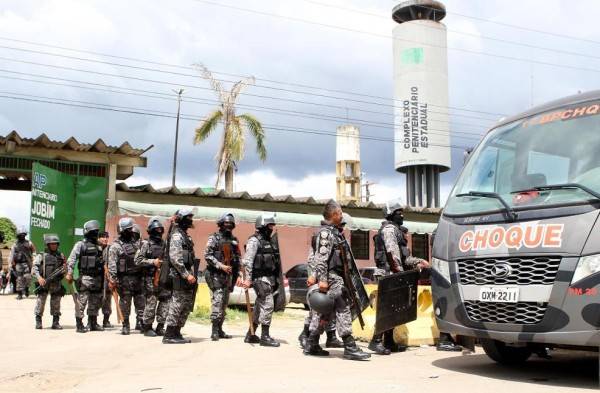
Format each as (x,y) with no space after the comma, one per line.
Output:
(323,250)
(324,234)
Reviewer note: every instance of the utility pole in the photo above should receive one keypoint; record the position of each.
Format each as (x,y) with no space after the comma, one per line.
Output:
(179,93)
(366,185)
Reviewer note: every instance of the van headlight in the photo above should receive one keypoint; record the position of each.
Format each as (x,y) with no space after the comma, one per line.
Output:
(442,267)
(586,266)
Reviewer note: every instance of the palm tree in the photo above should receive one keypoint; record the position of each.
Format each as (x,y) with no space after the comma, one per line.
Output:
(233,142)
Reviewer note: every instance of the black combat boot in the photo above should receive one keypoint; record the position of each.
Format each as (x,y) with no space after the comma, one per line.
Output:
(215,331)
(180,337)
(170,336)
(93,324)
(148,332)
(447,343)
(125,328)
(79,325)
(55,324)
(252,338)
(265,338)
(303,336)
(138,324)
(38,321)
(19,295)
(160,329)
(312,346)
(222,334)
(376,345)
(106,323)
(333,341)
(352,351)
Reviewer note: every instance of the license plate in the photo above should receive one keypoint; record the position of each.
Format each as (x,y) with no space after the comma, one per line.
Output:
(499,294)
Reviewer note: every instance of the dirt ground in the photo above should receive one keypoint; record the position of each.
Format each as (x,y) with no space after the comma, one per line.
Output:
(63,361)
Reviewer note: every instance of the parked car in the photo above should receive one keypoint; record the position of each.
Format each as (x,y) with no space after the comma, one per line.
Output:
(238,296)
(296,277)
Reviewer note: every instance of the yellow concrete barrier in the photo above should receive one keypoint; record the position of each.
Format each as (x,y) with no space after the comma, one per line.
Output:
(203,296)
(422,331)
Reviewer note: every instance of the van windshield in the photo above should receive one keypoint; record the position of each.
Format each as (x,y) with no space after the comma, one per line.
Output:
(516,161)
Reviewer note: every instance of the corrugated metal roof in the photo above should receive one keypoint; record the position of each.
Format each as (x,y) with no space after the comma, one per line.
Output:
(244,215)
(259,197)
(43,141)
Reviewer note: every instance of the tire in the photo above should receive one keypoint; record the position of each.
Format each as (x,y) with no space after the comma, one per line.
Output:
(499,352)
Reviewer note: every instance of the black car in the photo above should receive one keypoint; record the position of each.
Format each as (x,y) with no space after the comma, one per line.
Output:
(297,277)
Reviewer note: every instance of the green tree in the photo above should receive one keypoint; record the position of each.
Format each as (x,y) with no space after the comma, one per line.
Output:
(235,127)
(9,229)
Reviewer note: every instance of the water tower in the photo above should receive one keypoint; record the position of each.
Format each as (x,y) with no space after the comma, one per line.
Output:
(422,133)
(347,166)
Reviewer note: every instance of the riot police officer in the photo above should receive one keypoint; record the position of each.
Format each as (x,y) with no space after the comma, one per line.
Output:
(222,256)
(49,268)
(391,256)
(125,274)
(20,259)
(87,256)
(328,271)
(149,257)
(106,292)
(182,272)
(262,265)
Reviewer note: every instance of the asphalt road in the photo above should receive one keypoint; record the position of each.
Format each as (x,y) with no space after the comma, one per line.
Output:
(63,361)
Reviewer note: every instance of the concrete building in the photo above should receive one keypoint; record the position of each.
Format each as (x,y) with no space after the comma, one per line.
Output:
(347,165)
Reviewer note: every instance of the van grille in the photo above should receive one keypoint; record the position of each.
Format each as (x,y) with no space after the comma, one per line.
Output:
(540,270)
(521,313)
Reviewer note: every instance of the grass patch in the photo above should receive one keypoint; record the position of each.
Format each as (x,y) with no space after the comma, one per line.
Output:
(201,314)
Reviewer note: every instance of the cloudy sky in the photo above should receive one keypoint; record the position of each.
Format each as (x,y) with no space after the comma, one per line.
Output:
(318,64)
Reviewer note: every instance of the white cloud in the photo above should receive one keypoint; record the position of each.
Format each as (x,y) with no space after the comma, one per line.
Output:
(16,206)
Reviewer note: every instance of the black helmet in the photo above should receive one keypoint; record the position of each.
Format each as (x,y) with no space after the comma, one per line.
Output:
(265,219)
(125,223)
(227,217)
(22,231)
(154,223)
(390,207)
(51,238)
(183,212)
(320,302)
(89,226)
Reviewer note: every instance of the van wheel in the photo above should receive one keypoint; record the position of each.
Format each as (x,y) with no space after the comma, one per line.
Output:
(504,354)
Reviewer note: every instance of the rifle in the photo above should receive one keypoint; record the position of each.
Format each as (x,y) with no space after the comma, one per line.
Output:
(350,284)
(51,278)
(227,259)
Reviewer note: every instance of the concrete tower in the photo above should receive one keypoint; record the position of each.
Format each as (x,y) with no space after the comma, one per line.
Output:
(422,133)
(347,166)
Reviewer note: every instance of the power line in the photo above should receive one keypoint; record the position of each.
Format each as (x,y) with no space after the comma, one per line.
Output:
(470,51)
(224,80)
(140,111)
(522,44)
(277,111)
(229,74)
(189,85)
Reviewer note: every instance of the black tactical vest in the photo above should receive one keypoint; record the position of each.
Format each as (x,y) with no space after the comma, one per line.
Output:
(90,259)
(335,262)
(52,262)
(187,247)
(22,252)
(380,251)
(126,259)
(155,250)
(266,261)
(223,242)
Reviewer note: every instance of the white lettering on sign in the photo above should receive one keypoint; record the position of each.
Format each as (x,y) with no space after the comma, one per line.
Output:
(515,237)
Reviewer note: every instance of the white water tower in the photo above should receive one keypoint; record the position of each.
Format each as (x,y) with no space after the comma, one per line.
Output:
(422,132)
(347,166)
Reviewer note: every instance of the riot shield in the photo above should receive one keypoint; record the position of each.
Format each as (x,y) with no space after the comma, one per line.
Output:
(396,300)
(361,293)
(279,295)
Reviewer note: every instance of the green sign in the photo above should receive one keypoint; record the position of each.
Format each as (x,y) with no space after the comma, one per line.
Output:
(412,56)
(62,203)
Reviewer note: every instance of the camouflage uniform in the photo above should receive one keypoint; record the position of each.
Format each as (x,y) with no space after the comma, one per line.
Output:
(181,259)
(330,327)
(327,266)
(395,243)
(106,292)
(127,276)
(54,288)
(263,281)
(20,259)
(219,282)
(157,298)
(89,284)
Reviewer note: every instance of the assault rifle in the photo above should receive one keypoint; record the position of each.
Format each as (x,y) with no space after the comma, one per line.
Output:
(52,277)
(350,283)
